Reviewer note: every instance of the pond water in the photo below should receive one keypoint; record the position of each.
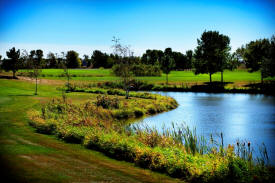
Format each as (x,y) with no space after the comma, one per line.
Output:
(238,116)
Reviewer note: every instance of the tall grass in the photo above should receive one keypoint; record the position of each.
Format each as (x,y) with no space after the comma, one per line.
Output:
(177,151)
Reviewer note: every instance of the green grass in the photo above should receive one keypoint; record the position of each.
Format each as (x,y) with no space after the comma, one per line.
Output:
(26,156)
(174,76)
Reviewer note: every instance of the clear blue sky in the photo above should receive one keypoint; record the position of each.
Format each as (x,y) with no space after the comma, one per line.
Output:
(85,25)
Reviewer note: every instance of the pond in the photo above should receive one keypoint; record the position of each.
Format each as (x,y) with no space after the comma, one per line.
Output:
(243,117)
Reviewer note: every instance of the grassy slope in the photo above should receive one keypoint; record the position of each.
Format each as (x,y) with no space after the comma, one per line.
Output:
(27,156)
(174,76)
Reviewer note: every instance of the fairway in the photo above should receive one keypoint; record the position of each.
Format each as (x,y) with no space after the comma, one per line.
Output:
(98,75)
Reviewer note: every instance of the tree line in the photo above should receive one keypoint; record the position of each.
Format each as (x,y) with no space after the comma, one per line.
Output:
(211,55)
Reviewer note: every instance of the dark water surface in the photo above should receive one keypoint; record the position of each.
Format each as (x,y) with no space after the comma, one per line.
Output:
(239,116)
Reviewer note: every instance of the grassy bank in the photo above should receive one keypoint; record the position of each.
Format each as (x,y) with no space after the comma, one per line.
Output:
(27,156)
(177,152)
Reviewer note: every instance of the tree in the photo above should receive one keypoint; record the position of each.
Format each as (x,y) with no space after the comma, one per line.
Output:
(189,59)
(36,59)
(151,57)
(167,62)
(52,60)
(99,59)
(68,76)
(270,66)
(0,62)
(211,53)
(234,61)
(13,63)
(123,68)
(180,60)
(73,61)
(87,61)
(256,56)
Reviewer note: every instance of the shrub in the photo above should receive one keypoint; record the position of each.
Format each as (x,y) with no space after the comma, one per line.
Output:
(72,134)
(44,127)
(151,109)
(122,114)
(138,112)
(107,102)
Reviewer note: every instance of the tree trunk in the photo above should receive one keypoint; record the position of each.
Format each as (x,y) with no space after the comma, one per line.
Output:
(68,83)
(222,76)
(35,86)
(166,79)
(262,78)
(127,94)
(13,74)
(210,77)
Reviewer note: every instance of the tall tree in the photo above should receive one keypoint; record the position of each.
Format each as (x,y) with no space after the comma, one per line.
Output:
(256,56)
(73,61)
(211,53)
(123,68)
(167,62)
(13,63)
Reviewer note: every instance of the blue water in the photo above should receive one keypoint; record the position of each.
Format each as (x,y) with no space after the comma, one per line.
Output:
(243,117)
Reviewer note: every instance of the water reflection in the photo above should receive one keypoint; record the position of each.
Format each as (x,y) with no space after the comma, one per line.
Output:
(238,116)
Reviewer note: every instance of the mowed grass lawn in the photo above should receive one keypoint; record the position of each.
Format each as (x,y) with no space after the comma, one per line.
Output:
(27,156)
(174,76)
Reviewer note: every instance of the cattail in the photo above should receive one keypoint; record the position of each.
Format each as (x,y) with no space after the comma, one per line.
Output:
(248,144)
(237,143)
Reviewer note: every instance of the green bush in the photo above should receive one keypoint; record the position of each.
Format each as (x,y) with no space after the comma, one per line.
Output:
(138,112)
(123,114)
(151,109)
(107,102)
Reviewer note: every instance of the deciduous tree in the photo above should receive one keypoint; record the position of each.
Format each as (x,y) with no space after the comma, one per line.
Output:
(211,53)
(73,61)
(167,62)
(13,63)
(122,68)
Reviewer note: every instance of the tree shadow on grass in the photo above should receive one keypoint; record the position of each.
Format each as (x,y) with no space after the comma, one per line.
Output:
(22,95)
(7,77)
(215,86)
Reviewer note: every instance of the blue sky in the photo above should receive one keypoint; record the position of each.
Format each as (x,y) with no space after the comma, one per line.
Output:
(84,25)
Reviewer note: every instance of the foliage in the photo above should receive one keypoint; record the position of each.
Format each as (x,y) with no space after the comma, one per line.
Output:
(107,102)
(100,59)
(146,70)
(259,55)
(211,54)
(72,59)
(167,62)
(13,63)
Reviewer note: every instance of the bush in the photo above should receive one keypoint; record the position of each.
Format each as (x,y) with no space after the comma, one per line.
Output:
(138,112)
(151,109)
(123,114)
(107,102)
(41,126)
